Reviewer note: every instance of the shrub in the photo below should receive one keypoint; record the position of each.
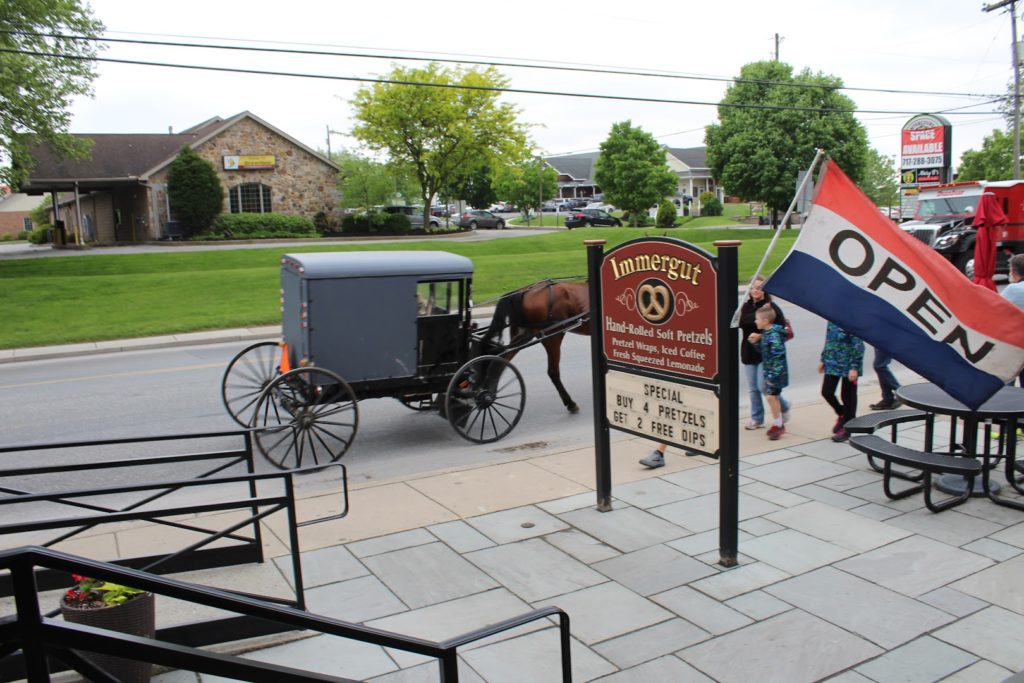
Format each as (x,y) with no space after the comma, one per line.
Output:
(8,237)
(194,191)
(377,223)
(38,236)
(260,226)
(666,214)
(712,207)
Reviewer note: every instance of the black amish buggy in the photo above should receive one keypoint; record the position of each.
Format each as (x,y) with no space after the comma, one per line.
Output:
(360,325)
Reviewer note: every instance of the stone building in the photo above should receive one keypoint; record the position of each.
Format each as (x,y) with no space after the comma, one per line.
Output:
(119,193)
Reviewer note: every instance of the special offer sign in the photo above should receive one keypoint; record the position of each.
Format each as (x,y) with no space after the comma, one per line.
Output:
(660,306)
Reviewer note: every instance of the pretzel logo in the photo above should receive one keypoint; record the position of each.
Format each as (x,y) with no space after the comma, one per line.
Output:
(654,301)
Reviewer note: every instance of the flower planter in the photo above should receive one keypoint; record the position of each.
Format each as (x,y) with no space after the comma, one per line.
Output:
(136,617)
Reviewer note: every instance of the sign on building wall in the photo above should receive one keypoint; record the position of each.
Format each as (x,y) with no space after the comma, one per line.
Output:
(249,162)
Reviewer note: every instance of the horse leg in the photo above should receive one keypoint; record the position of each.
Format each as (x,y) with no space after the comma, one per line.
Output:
(553,346)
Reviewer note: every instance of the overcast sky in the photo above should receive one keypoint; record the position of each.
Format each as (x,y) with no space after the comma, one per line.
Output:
(939,45)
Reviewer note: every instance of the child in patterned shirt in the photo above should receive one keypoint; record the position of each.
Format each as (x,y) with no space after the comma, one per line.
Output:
(842,361)
(771,343)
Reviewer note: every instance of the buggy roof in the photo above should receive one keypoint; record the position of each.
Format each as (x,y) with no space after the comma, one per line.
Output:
(342,264)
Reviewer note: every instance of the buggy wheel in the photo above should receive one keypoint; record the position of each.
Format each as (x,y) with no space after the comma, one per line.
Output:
(418,402)
(247,375)
(307,416)
(485,399)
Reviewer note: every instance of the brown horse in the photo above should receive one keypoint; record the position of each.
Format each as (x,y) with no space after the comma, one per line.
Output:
(538,311)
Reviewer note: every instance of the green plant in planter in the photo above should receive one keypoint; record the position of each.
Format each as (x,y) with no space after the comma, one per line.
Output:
(95,593)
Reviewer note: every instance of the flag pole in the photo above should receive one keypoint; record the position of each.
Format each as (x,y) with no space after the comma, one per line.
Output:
(819,153)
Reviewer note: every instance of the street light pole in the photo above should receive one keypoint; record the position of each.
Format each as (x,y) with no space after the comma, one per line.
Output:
(1016,80)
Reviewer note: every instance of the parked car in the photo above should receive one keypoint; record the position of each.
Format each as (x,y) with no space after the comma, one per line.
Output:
(557,205)
(415,214)
(578,202)
(584,218)
(478,218)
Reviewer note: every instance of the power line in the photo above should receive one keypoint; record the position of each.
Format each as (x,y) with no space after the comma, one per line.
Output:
(518,91)
(618,71)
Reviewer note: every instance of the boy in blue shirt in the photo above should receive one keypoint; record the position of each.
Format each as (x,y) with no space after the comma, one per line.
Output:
(771,343)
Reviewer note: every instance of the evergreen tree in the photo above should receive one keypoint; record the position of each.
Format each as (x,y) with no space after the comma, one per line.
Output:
(194,191)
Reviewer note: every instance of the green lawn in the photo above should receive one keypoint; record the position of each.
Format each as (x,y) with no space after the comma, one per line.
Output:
(90,298)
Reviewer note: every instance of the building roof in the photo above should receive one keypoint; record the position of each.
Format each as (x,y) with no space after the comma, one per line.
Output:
(576,166)
(18,202)
(121,157)
(580,167)
(694,157)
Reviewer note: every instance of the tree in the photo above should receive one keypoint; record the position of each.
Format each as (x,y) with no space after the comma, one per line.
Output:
(994,161)
(194,191)
(366,183)
(757,152)
(632,171)
(445,133)
(879,182)
(477,189)
(36,92)
(527,184)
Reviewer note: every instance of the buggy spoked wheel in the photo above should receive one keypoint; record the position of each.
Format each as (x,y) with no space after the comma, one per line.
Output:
(418,402)
(247,375)
(485,399)
(307,416)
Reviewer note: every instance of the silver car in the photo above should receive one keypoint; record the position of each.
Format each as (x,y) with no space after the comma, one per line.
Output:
(478,218)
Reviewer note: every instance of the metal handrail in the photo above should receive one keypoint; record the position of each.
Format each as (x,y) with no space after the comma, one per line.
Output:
(39,636)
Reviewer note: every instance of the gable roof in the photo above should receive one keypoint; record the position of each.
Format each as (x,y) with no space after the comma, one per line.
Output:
(694,157)
(133,156)
(576,166)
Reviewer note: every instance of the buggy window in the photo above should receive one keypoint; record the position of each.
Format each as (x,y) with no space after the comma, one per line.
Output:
(436,298)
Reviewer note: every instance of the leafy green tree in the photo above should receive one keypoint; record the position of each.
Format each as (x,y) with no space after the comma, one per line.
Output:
(36,92)
(527,184)
(879,181)
(757,152)
(365,183)
(632,171)
(994,161)
(666,217)
(477,189)
(194,191)
(445,133)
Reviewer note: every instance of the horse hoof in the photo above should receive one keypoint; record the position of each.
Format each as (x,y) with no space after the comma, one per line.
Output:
(573,408)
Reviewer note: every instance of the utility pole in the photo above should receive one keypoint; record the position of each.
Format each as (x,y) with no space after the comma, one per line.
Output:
(328,142)
(778,39)
(1016,80)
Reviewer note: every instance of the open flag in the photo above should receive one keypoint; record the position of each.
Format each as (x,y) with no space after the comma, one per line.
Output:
(853,266)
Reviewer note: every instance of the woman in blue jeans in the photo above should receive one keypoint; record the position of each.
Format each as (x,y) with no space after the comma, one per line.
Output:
(750,357)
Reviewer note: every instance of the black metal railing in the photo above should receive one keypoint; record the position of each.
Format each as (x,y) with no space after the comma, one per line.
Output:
(215,492)
(41,638)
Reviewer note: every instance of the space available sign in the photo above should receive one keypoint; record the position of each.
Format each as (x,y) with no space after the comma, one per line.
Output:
(926,143)
(659,303)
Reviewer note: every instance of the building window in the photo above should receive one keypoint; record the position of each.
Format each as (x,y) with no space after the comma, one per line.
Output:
(27,224)
(250,198)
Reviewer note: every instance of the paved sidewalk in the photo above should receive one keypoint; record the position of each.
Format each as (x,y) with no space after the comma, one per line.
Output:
(835,581)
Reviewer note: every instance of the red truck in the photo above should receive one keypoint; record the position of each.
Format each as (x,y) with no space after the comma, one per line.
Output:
(943,216)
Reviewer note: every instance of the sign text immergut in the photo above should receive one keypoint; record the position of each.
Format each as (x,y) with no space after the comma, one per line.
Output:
(674,268)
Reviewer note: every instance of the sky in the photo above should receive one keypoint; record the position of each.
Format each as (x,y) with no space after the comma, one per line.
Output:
(948,46)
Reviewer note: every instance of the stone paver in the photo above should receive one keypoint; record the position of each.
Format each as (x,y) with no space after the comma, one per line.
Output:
(425,575)
(993,633)
(877,614)
(653,570)
(794,647)
(535,570)
(625,529)
(919,661)
(608,610)
(846,529)
(651,642)
(1001,585)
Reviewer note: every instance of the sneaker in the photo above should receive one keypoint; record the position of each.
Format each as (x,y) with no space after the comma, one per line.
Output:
(838,425)
(775,431)
(753,425)
(841,435)
(654,460)
(886,405)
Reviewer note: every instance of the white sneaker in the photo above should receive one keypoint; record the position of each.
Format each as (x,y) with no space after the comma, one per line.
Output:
(654,460)
(753,425)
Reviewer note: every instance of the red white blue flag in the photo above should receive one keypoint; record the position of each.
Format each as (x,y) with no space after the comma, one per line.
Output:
(853,266)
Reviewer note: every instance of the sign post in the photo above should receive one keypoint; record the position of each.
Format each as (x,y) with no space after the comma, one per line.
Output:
(665,358)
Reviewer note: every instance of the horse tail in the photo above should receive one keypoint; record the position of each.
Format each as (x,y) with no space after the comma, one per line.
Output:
(507,314)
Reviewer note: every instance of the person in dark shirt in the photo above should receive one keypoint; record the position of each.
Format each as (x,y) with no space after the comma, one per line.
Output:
(770,342)
(750,357)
